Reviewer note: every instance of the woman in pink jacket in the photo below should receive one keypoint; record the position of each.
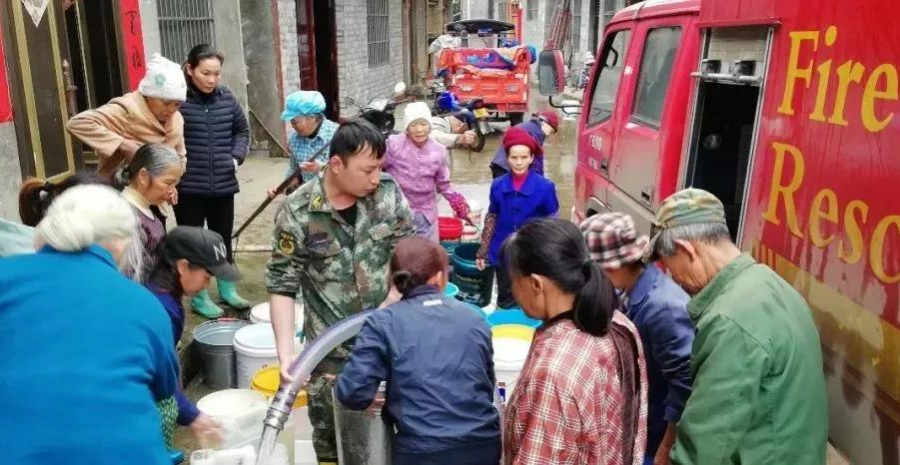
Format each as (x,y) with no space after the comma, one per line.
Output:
(419,164)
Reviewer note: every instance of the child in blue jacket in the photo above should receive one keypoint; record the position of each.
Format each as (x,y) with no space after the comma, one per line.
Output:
(436,356)
(516,198)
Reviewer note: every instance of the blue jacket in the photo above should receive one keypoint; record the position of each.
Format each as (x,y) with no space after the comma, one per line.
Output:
(437,358)
(216,132)
(86,356)
(187,411)
(533,127)
(536,199)
(657,307)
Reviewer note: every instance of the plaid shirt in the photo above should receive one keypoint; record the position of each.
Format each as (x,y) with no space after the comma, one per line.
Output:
(566,408)
(303,148)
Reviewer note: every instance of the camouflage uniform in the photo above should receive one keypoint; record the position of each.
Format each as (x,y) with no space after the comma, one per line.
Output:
(340,270)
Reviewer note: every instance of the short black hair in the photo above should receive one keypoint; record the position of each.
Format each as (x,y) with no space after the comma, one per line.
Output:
(203,52)
(354,135)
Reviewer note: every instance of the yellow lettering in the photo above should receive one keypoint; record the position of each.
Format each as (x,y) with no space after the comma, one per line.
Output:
(824,70)
(876,251)
(818,113)
(847,73)
(816,214)
(873,92)
(854,231)
(785,191)
(794,71)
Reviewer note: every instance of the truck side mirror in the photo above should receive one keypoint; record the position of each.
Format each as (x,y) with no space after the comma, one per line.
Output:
(551,72)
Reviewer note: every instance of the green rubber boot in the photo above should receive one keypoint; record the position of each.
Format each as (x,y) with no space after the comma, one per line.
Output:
(228,293)
(204,306)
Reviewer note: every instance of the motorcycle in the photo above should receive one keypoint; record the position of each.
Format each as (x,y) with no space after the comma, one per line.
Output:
(380,110)
(473,113)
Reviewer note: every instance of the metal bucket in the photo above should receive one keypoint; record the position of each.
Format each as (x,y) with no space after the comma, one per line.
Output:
(215,342)
(361,439)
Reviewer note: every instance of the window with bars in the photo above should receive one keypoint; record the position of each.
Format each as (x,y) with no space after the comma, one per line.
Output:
(503,11)
(184,24)
(609,10)
(531,10)
(576,25)
(378,36)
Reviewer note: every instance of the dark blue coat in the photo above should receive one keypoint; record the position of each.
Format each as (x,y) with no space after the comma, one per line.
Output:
(437,358)
(216,132)
(657,307)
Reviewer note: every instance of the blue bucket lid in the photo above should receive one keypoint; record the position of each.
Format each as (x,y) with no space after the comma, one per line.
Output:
(513,316)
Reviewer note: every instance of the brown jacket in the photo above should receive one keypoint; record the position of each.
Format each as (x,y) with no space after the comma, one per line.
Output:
(126,117)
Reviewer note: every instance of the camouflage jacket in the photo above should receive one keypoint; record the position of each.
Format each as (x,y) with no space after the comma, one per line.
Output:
(339,269)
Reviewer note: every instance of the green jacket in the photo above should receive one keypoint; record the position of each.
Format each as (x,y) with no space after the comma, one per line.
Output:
(759,388)
(339,269)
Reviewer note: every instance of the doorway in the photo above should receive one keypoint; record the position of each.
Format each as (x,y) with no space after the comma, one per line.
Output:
(96,68)
(39,67)
(317,46)
(721,150)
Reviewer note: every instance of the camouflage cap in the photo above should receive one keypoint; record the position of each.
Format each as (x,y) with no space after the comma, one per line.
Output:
(688,206)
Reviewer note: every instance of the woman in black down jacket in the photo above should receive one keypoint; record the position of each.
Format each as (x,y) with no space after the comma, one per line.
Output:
(217,138)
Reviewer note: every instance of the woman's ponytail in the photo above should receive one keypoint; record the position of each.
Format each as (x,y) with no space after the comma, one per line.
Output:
(415,261)
(595,302)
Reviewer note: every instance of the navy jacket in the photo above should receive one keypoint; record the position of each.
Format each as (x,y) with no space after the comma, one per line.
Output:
(93,351)
(533,127)
(536,199)
(216,132)
(657,307)
(187,411)
(437,358)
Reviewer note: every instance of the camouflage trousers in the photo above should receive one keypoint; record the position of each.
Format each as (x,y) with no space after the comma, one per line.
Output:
(321,409)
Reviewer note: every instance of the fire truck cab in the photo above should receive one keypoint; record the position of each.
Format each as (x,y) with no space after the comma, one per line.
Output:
(785,111)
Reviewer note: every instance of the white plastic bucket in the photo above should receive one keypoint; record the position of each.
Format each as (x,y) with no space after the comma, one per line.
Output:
(304,453)
(240,412)
(254,347)
(509,358)
(262,314)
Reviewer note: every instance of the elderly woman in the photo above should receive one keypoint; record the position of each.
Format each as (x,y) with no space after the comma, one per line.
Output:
(582,395)
(419,164)
(305,111)
(150,115)
(35,197)
(101,343)
(148,181)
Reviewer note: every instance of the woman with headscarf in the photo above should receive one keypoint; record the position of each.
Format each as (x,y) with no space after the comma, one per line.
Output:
(100,344)
(149,115)
(419,164)
(217,137)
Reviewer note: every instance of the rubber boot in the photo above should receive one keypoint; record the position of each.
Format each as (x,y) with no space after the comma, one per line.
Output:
(228,293)
(204,306)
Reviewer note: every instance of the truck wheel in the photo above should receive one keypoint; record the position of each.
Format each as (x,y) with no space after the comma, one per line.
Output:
(515,118)
(479,140)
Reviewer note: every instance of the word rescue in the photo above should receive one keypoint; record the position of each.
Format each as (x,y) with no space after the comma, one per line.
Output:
(826,211)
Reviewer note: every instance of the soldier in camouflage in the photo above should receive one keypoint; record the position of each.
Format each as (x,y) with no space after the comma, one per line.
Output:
(332,243)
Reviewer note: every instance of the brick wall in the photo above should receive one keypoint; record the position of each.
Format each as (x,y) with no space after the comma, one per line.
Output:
(357,80)
(290,59)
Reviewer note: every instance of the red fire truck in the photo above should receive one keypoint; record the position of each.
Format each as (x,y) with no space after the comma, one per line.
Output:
(785,110)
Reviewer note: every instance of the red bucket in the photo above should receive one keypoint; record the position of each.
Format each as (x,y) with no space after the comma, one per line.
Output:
(450,229)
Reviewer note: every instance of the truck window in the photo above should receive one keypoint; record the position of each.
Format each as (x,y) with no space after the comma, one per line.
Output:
(656,71)
(603,97)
